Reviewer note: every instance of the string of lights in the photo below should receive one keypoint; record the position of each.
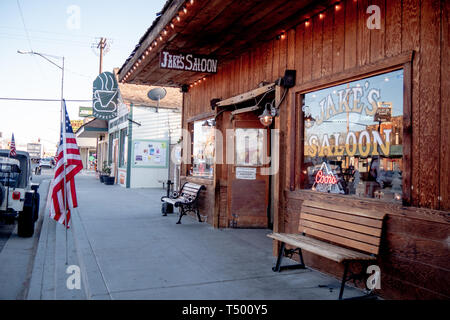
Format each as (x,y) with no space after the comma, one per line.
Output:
(184,10)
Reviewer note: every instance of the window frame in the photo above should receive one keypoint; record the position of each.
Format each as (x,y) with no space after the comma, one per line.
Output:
(296,158)
(190,125)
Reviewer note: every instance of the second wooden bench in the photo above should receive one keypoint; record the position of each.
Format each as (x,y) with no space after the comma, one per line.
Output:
(186,199)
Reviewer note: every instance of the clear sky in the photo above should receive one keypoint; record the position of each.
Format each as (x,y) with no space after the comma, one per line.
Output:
(54,27)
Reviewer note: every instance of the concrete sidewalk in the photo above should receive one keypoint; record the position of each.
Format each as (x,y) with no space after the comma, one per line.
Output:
(127,250)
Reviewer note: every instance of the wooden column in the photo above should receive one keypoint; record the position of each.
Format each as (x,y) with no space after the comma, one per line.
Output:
(278,225)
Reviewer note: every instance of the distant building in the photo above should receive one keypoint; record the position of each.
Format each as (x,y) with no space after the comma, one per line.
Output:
(34,150)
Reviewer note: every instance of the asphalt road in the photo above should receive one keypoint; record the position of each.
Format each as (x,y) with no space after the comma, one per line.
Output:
(17,254)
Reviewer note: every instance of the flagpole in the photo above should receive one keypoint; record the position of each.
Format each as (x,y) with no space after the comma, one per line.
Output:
(63,128)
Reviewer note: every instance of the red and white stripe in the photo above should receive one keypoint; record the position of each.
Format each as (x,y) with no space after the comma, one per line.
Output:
(73,165)
(12,151)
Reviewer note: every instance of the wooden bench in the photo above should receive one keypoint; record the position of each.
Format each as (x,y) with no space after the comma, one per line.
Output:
(186,199)
(344,234)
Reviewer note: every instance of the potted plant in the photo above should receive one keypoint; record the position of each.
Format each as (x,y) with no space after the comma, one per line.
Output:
(106,171)
(109,180)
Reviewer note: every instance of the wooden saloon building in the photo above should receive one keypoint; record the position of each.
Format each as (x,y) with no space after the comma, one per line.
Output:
(342,103)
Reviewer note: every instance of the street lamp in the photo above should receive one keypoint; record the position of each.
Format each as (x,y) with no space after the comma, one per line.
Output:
(45,57)
(62,121)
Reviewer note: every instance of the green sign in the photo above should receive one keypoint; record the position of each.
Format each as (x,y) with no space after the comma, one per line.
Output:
(85,112)
(105,96)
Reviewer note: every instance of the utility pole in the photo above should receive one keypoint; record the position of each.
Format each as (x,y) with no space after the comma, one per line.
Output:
(101,46)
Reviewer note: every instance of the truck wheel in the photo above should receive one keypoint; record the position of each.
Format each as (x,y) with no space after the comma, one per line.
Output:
(25,226)
(36,207)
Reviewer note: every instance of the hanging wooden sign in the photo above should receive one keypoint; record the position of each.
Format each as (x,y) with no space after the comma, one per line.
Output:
(187,62)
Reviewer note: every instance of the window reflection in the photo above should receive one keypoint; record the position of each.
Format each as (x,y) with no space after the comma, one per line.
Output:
(353,138)
(249,146)
(203,149)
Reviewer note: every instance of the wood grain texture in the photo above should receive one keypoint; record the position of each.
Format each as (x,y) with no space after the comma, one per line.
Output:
(363,35)
(327,40)
(377,36)
(393,35)
(445,109)
(411,41)
(298,65)
(338,50)
(317,38)
(351,29)
(430,103)
(308,51)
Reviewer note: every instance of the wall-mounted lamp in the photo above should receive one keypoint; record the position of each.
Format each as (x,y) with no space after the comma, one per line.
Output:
(266,117)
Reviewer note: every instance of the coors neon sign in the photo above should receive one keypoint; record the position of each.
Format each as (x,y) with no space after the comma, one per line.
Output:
(326,181)
(187,62)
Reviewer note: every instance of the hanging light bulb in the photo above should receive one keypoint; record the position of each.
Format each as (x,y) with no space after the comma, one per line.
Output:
(266,117)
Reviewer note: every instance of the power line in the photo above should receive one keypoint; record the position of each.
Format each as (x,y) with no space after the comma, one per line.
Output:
(24,26)
(45,100)
(51,32)
(28,39)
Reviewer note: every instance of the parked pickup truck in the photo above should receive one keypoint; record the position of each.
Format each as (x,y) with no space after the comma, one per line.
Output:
(19,197)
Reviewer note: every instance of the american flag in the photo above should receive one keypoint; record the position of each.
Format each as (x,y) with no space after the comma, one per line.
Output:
(12,147)
(68,154)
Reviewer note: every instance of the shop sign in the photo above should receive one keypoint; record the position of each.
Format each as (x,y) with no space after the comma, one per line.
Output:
(76,124)
(105,96)
(85,112)
(187,62)
(245,173)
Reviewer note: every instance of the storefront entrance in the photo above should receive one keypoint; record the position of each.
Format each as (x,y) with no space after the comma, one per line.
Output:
(248,194)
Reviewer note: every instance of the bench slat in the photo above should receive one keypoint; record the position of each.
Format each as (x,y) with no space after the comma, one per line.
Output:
(342,224)
(321,248)
(345,209)
(343,241)
(191,186)
(173,201)
(341,232)
(375,223)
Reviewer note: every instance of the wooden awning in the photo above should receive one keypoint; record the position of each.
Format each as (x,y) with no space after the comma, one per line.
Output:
(219,28)
(247,95)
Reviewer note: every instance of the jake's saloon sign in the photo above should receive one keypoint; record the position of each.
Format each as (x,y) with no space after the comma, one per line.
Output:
(187,62)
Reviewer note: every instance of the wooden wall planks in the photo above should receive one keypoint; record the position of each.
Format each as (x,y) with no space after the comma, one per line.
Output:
(445,108)
(429,103)
(416,237)
(341,41)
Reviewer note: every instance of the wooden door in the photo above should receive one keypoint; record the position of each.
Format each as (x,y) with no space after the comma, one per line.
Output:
(248,192)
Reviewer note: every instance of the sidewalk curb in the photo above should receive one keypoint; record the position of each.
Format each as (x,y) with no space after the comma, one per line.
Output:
(92,277)
(48,276)
(40,263)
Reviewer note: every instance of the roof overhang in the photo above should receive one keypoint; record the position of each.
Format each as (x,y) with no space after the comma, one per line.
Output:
(218,28)
(92,129)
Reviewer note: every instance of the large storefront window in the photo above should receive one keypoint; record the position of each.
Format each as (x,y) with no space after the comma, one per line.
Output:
(203,149)
(353,138)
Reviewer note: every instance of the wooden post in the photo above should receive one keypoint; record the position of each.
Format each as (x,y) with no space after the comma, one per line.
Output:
(277,219)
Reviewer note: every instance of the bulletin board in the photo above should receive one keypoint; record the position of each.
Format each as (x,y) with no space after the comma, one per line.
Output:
(150,154)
